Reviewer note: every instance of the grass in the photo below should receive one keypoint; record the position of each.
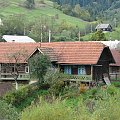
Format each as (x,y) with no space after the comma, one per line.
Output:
(15,7)
(103,105)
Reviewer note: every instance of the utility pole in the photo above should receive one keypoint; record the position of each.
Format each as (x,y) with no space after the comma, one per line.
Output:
(24,29)
(115,22)
(91,28)
(49,36)
(79,35)
(41,35)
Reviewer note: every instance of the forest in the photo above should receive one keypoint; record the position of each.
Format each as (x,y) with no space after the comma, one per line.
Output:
(95,8)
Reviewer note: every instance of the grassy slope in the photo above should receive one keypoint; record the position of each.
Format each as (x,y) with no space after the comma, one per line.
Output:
(115,35)
(14,7)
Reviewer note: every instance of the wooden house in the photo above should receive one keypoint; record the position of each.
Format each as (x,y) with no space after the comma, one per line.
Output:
(115,68)
(12,60)
(104,27)
(82,60)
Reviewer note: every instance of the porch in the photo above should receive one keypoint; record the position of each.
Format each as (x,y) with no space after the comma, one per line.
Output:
(8,72)
(8,76)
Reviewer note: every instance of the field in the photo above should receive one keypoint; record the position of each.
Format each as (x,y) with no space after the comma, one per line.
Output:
(17,7)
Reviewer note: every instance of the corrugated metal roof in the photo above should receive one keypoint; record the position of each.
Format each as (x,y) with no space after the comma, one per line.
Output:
(102,26)
(14,38)
(111,44)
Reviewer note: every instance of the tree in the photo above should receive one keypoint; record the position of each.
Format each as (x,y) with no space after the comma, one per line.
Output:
(98,36)
(8,112)
(39,64)
(39,29)
(30,4)
(15,64)
(14,24)
(77,10)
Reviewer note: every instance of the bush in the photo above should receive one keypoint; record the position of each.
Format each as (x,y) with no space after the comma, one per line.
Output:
(17,96)
(7,111)
(106,108)
(55,80)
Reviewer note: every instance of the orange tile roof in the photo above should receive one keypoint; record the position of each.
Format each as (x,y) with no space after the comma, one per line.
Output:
(8,49)
(76,52)
(67,52)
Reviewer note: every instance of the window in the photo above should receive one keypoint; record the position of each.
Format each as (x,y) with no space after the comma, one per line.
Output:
(67,69)
(26,69)
(81,70)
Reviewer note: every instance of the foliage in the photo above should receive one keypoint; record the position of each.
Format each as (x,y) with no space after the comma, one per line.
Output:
(39,64)
(39,29)
(98,36)
(30,4)
(37,22)
(24,97)
(16,97)
(7,111)
(116,84)
(102,105)
(13,24)
(92,9)
(54,79)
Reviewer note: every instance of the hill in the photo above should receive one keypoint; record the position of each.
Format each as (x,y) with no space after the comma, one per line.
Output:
(41,9)
(39,20)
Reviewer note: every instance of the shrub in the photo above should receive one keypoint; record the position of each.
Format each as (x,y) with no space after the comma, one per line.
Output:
(55,80)
(15,97)
(8,112)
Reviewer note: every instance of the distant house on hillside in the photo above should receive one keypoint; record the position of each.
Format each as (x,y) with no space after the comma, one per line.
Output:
(104,27)
(14,38)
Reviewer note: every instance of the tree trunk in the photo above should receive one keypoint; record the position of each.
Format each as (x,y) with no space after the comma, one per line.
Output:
(16,83)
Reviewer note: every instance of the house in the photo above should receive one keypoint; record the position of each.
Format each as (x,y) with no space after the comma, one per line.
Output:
(15,38)
(115,67)
(115,50)
(12,55)
(104,27)
(83,60)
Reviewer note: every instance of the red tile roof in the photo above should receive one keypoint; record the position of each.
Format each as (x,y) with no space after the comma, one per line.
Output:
(8,49)
(67,52)
(76,52)
(116,56)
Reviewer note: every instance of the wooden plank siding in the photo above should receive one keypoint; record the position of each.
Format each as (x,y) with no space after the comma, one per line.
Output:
(7,71)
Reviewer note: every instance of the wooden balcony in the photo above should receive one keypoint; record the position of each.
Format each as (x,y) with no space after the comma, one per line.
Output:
(77,78)
(8,76)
